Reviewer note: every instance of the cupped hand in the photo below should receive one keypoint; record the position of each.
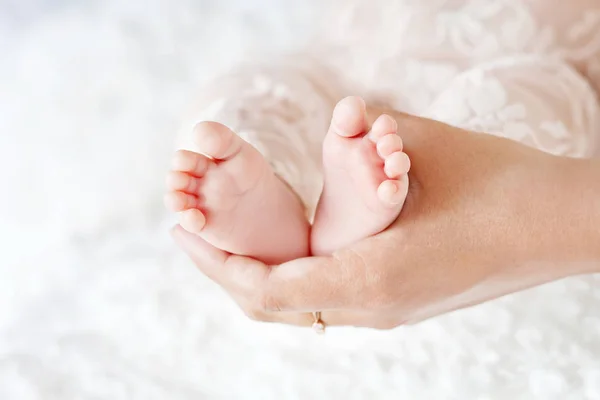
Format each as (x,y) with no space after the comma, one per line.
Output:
(464,236)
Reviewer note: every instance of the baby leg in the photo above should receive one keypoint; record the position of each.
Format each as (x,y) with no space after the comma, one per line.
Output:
(233,184)
(282,110)
(539,101)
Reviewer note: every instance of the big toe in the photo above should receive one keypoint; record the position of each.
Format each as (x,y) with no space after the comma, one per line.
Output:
(349,117)
(216,140)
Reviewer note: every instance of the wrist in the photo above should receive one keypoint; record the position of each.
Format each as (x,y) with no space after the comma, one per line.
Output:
(561,211)
(581,182)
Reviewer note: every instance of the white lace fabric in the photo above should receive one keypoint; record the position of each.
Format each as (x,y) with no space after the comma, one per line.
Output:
(501,98)
(526,70)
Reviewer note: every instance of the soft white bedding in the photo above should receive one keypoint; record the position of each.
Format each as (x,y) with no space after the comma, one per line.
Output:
(95,301)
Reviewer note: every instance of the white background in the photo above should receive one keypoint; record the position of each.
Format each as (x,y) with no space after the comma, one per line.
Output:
(95,301)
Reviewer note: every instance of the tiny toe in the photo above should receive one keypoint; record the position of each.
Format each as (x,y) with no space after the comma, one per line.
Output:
(393,192)
(179,201)
(216,140)
(181,181)
(383,125)
(349,117)
(396,164)
(192,220)
(389,144)
(190,162)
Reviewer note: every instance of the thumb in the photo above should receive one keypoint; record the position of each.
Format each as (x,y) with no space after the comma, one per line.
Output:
(198,249)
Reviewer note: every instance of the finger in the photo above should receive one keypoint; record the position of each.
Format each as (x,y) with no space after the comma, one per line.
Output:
(301,286)
(358,319)
(200,251)
(252,284)
(236,274)
(212,261)
(314,283)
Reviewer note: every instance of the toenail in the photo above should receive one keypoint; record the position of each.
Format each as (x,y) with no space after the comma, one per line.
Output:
(341,112)
(346,120)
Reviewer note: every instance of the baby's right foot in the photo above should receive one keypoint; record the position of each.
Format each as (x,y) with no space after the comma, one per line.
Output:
(228,194)
(365,176)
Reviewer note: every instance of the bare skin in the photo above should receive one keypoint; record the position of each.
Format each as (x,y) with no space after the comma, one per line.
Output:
(228,195)
(484,217)
(365,175)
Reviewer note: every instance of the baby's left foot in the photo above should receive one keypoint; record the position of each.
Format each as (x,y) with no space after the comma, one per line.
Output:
(365,175)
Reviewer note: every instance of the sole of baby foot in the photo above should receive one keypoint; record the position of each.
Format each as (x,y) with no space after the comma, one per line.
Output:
(365,178)
(228,194)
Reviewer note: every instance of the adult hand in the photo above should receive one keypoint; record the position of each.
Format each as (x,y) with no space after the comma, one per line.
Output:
(484,217)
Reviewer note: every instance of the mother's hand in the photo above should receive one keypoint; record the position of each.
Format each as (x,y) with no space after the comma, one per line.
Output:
(484,217)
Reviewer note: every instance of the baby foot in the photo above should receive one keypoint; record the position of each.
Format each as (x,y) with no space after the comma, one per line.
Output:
(365,178)
(230,196)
